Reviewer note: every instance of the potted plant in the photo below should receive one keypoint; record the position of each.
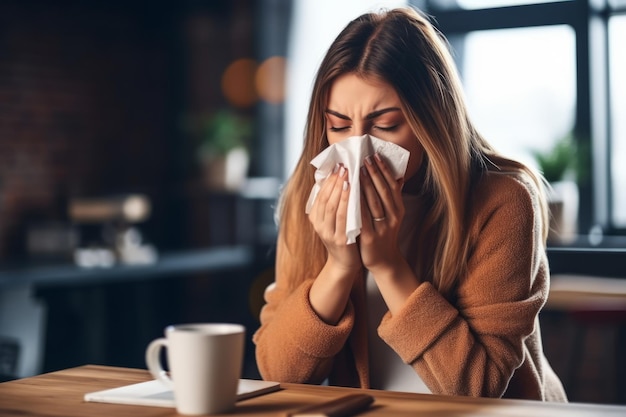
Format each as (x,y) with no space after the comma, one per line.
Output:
(223,149)
(559,166)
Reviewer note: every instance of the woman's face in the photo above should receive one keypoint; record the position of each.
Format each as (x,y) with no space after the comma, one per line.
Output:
(358,106)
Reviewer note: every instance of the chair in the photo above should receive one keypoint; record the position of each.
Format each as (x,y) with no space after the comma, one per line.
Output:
(592,302)
(9,356)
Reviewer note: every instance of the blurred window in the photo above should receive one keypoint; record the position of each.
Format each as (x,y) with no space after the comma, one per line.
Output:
(537,70)
(521,87)
(483,4)
(617,82)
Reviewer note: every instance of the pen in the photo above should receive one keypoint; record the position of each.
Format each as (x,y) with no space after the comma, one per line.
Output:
(339,407)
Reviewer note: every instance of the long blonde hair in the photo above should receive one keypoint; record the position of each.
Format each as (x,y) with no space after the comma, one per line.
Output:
(402,48)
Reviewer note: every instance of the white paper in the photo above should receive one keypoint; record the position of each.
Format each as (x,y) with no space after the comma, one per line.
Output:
(351,153)
(154,393)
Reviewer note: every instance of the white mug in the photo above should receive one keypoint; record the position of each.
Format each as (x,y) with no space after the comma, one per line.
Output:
(205,361)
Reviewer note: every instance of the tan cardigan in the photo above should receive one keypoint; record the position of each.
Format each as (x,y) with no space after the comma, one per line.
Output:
(487,344)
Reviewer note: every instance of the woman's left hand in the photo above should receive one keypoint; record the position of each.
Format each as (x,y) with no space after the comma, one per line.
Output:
(382,211)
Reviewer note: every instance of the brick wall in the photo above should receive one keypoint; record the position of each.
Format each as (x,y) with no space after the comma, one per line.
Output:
(84,107)
(92,98)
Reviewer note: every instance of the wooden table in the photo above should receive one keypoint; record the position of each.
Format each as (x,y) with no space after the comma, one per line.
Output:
(61,394)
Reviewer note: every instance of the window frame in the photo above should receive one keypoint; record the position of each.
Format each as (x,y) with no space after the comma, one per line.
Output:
(589,19)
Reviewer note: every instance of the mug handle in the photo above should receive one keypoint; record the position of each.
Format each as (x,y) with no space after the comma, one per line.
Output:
(153,361)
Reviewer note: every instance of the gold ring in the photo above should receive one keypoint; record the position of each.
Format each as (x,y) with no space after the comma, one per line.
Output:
(378,219)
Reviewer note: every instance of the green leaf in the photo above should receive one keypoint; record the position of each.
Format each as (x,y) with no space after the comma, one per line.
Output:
(559,160)
(223,131)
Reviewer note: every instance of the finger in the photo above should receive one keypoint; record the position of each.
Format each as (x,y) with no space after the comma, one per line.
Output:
(332,205)
(374,170)
(319,206)
(384,169)
(381,185)
(391,193)
(366,216)
(371,197)
(342,208)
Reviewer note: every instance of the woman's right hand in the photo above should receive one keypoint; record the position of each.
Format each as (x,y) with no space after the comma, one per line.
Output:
(329,215)
(330,292)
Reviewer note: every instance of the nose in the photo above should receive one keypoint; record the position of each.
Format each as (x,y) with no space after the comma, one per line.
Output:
(360,129)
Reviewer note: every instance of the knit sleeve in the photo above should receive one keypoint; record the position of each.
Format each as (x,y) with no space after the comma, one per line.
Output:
(293,343)
(474,346)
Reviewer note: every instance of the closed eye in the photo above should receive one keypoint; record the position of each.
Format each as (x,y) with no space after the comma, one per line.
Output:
(338,129)
(386,128)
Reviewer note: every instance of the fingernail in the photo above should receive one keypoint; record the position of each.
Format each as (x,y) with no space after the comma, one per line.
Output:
(345,185)
(336,168)
(377,156)
(342,171)
(368,159)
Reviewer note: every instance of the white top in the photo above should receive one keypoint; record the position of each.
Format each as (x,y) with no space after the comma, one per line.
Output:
(387,370)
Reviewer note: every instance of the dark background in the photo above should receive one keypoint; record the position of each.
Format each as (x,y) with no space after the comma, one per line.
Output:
(93,99)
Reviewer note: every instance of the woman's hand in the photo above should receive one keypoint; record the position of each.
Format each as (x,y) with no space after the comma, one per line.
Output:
(382,211)
(328,216)
(330,292)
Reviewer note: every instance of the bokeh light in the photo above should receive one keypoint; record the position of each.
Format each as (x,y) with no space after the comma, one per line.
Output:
(270,80)
(238,83)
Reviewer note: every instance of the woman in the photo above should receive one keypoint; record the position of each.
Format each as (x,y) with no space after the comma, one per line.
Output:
(441,292)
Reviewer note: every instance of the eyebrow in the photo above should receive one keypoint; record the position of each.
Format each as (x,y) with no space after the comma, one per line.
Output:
(370,116)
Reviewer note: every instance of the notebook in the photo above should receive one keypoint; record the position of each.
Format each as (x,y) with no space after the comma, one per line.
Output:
(154,393)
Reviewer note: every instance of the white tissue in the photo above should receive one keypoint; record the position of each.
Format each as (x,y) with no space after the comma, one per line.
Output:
(351,153)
